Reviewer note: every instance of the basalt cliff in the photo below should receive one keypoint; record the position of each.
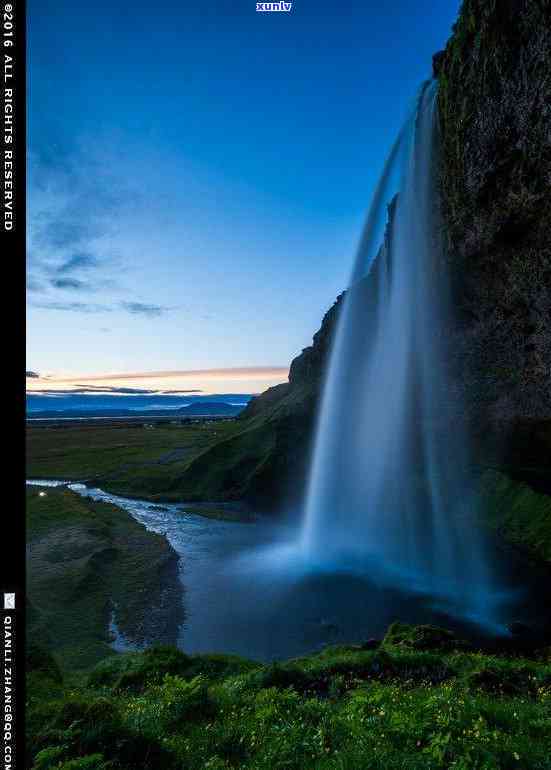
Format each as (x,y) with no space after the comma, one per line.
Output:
(495,115)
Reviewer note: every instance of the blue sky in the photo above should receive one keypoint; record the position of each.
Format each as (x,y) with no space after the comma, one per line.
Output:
(199,172)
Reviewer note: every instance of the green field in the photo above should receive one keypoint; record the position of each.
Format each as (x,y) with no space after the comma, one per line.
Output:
(86,559)
(124,459)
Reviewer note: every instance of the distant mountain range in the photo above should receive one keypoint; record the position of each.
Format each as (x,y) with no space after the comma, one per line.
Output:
(211,407)
(81,406)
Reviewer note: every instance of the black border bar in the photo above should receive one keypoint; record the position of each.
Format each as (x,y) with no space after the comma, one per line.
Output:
(13,228)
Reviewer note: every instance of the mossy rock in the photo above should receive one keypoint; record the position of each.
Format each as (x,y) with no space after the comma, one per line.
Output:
(518,513)
(219,666)
(354,665)
(422,637)
(282,677)
(511,679)
(135,671)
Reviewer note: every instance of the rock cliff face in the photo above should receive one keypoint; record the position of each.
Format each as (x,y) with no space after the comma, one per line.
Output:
(495,110)
(495,115)
(305,374)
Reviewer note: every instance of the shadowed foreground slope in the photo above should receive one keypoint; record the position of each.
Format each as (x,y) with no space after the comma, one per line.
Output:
(421,700)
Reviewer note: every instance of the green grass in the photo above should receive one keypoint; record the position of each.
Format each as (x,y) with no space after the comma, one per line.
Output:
(83,559)
(397,707)
(227,467)
(123,459)
(207,463)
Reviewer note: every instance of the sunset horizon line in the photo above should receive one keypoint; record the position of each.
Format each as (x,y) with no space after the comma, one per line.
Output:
(254,378)
(214,371)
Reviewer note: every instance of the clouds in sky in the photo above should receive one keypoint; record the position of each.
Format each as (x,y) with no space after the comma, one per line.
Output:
(107,389)
(82,261)
(145,309)
(71,307)
(75,210)
(74,284)
(132,308)
(204,204)
(185,267)
(205,381)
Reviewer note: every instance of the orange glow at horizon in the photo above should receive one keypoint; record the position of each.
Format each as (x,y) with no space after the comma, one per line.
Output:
(239,379)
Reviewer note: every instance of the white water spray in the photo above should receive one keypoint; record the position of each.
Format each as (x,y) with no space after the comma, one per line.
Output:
(390,481)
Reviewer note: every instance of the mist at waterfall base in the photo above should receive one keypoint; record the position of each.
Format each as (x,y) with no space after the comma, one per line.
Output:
(391,498)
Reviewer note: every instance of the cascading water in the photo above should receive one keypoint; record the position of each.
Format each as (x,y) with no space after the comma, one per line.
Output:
(390,481)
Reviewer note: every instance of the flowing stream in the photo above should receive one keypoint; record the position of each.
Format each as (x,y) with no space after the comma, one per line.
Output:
(247,591)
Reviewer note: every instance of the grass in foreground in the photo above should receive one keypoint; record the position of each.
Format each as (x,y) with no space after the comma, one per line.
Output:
(84,559)
(419,701)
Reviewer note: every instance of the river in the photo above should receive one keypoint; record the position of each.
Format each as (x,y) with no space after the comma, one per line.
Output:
(246,591)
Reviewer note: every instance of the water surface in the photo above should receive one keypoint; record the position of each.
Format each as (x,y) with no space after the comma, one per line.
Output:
(246,589)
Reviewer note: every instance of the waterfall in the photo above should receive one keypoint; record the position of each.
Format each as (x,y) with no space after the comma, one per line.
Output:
(390,478)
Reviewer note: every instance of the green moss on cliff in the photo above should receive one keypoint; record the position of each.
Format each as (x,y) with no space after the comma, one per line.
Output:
(518,513)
